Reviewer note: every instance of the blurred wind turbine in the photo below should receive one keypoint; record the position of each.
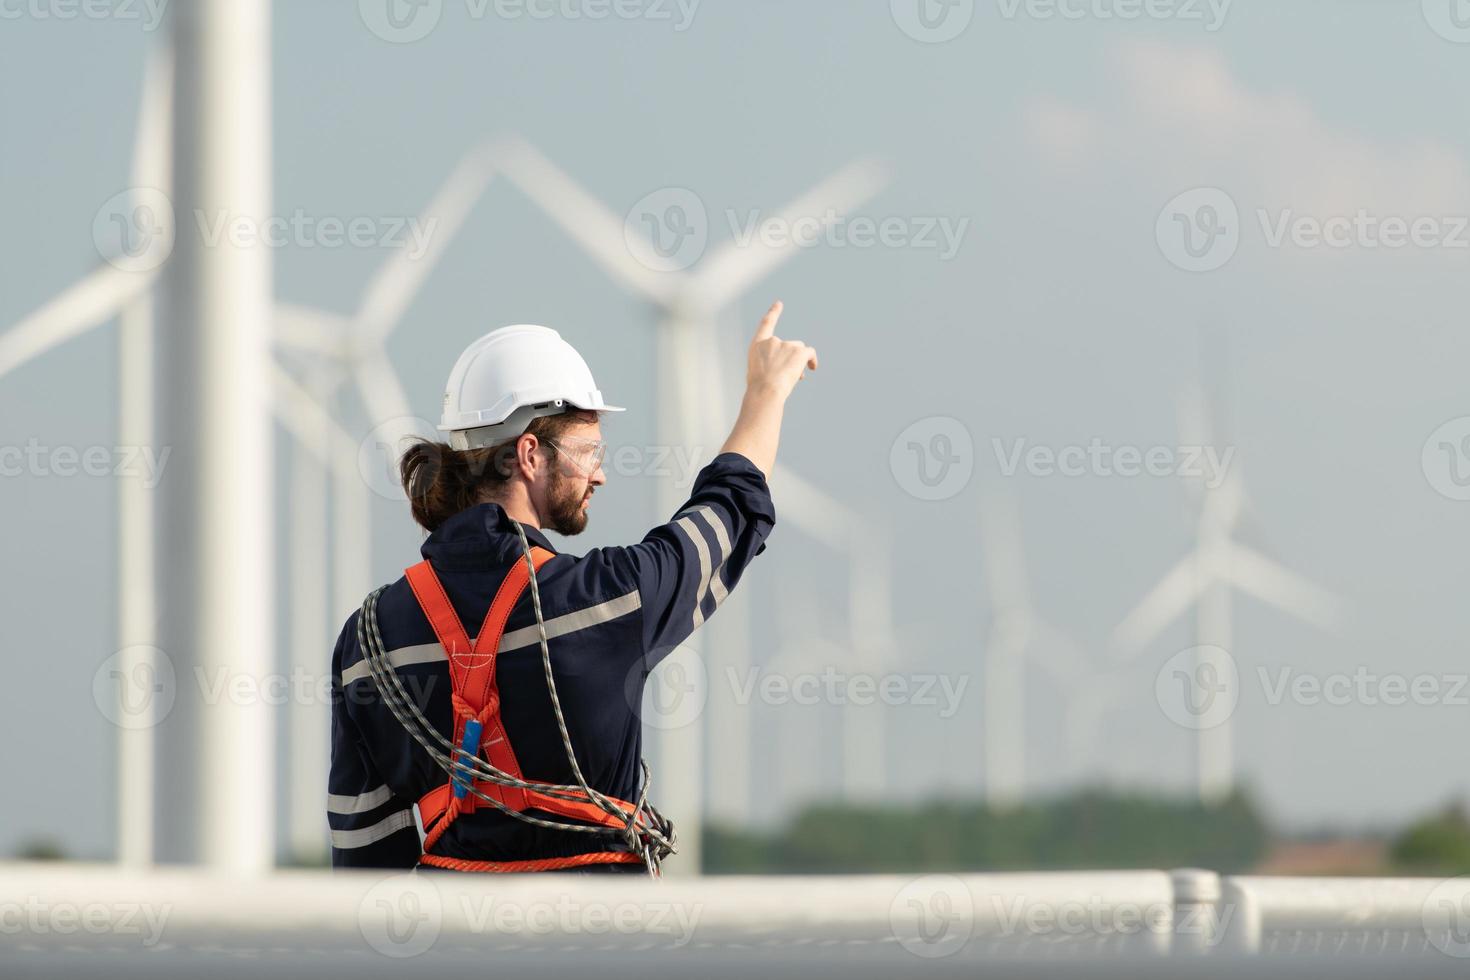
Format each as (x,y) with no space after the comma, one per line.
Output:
(689,304)
(1207,578)
(346,349)
(1018,634)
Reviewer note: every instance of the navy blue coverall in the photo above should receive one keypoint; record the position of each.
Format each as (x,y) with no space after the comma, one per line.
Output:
(611,616)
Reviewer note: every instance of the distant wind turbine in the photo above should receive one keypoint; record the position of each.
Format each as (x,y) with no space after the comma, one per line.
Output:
(1207,579)
(1019,634)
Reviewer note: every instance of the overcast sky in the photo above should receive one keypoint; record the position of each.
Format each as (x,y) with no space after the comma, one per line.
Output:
(1025,298)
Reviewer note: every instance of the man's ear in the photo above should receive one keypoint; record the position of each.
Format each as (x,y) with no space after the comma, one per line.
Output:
(526,458)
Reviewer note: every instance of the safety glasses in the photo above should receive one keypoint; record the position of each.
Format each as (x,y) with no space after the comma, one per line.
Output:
(584,454)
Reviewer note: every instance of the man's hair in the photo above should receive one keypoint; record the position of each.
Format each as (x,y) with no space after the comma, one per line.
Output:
(441,481)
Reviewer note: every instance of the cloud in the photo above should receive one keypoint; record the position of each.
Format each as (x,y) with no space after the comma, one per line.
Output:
(1184,116)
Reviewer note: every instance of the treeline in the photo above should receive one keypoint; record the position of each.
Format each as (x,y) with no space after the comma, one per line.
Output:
(1089,829)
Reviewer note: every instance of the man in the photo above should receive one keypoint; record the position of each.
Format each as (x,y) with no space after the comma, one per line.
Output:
(524,455)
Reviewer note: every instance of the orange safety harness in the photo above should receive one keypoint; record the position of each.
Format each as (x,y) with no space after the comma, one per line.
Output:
(478,728)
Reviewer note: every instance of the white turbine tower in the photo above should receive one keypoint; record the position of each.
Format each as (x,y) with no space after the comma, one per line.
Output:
(1018,634)
(1207,579)
(215,781)
(689,304)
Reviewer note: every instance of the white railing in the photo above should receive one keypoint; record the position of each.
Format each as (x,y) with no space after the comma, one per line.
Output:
(874,923)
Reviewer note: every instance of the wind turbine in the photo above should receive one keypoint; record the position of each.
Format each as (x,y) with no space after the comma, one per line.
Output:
(1018,634)
(119,290)
(1207,578)
(341,349)
(689,304)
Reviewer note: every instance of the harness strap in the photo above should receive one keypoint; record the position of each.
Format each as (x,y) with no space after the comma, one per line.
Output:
(476,697)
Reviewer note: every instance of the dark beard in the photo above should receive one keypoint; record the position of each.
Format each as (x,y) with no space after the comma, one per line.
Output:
(565,505)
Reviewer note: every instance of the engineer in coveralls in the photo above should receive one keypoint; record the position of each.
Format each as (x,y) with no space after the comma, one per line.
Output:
(525,445)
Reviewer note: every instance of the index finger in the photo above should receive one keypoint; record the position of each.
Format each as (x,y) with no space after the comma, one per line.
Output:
(767,328)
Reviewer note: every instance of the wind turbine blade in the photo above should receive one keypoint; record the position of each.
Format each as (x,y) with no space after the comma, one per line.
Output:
(152,159)
(1166,602)
(90,302)
(591,224)
(812,509)
(403,273)
(301,328)
(734,268)
(1255,574)
(307,420)
(382,393)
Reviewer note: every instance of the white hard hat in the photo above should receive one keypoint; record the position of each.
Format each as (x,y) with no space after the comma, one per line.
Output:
(509,377)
